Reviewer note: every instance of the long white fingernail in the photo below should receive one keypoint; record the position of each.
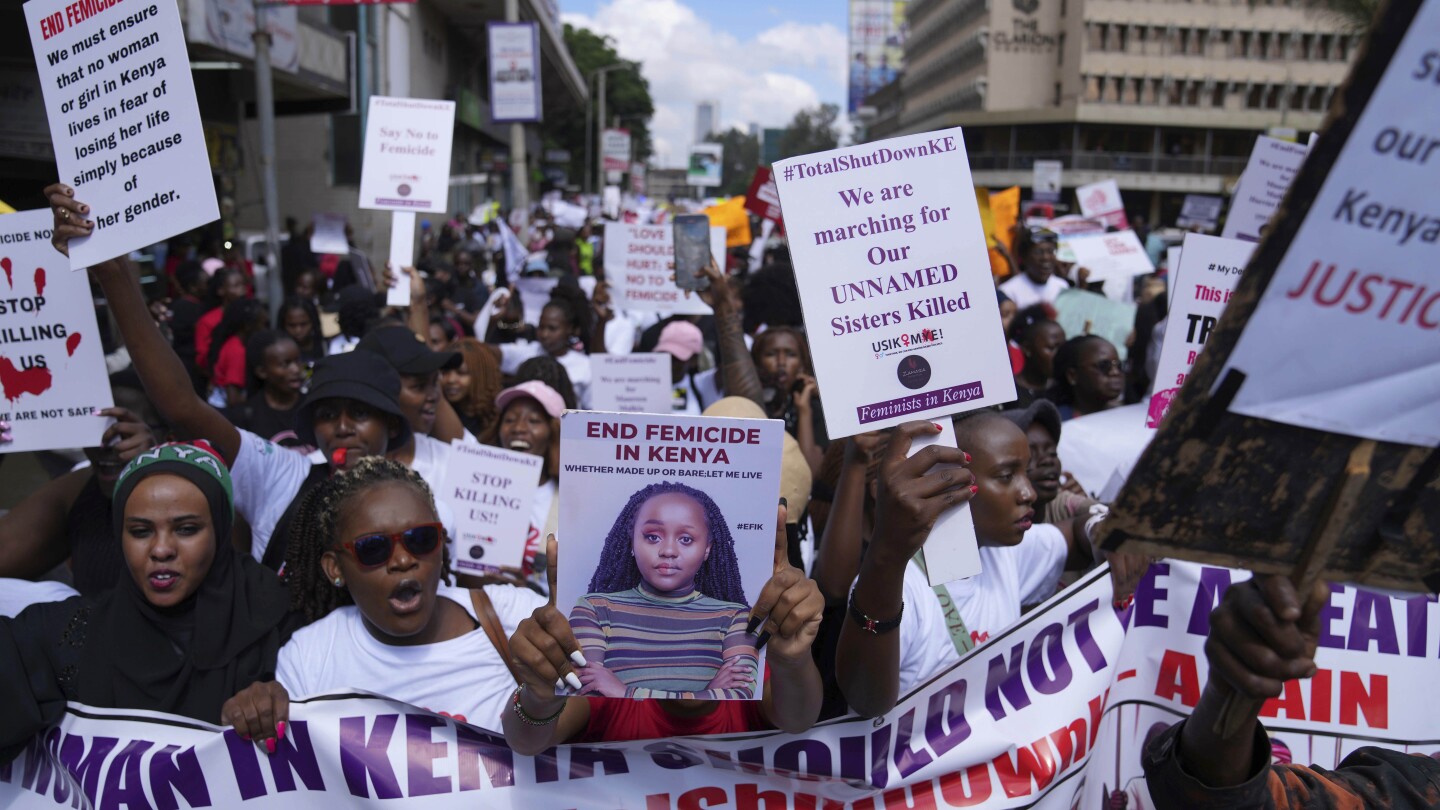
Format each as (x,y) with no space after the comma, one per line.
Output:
(574,681)
(578,658)
(560,685)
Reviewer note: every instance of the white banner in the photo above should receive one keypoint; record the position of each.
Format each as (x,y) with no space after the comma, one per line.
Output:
(615,149)
(894,278)
(52,367)
(1202,284)
(640,269)
(514,72)
(1052,714)
(407,154)
(124,121)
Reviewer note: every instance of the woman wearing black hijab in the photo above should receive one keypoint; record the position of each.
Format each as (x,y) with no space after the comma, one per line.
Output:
(192,621)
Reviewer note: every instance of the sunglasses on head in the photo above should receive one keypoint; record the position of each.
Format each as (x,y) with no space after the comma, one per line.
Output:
(374,550)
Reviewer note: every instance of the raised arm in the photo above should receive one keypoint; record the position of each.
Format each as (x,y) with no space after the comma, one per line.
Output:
(737,368)
(166,381)
(838,559)
(789,610)
(32,535)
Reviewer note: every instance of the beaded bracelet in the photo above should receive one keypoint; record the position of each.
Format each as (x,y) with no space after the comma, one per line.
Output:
(525,717)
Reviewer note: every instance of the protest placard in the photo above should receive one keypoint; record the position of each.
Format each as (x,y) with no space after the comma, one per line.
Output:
(615,149)
(489,491)
(124,121)
(1064,727)
(1081,312)
(640,268)
(1201,286)
(1045,180)
(1102,201)
(1220,484)
(679,507)
(407,154)
(632,383)
(328,235)
(52,366)
(761,199)
(534,294)
(894,280)
(514,62)
(1117,255)
(1268,175)
(1200,211)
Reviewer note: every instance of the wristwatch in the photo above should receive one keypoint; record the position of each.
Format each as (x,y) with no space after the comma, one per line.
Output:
(874,626)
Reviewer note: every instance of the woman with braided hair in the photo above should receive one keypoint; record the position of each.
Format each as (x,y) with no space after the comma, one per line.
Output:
(368,568)
(665,614)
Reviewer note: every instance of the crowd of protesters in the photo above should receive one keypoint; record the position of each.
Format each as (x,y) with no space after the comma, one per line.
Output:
(260,522)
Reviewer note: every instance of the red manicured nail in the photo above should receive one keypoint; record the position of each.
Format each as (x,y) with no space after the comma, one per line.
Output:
(270,746)
(245,737)
(280,729)
(937,426)
(967,458)
(974,489)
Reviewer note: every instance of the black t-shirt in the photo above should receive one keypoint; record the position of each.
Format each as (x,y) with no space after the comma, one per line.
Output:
(259,418)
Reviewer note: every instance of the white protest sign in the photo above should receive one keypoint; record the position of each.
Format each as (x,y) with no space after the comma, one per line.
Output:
(640,268)
(1172,266)
(402,255)
(1267,176)
(1200,211)
(1102,201)
(682,506)
(124,120)
(1113,258)
(1343,338)
(534,295)
(894,278)
(489,490)
(952,551)
(615,149)
(632,383)
(1045,182)
(407,154)
(1201,286)
(52,367)
(329,234)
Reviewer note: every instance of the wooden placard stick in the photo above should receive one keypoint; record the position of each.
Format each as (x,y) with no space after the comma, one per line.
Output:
(1323,539)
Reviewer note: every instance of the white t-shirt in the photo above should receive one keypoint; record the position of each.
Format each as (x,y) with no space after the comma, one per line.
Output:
(989,602)
(342,343)
(266,477)
(1026,293)
(18,594)
(576,364)
(463,676)
(431,461)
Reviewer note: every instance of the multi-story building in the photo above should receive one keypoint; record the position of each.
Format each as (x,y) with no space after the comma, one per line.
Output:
(707,120)
(1165,96)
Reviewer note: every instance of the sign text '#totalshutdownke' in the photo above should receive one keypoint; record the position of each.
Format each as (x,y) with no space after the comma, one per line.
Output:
(1051,714)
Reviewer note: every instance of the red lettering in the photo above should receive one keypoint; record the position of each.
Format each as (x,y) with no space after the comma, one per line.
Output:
(1033,762)
(1291,702)
(1356,699)
(701,798)
(1069,742)
(1179,678)
(967,788)
(921,797)
(1321,690)
(749,796)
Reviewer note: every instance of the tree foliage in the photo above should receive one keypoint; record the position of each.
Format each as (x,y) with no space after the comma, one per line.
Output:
(811,130)
(627,97)
(740,157)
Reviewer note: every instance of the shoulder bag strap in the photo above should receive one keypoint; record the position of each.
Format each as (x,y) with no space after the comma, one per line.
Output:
(494,630)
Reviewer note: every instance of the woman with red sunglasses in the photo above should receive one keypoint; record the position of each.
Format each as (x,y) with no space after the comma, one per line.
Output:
(371,575)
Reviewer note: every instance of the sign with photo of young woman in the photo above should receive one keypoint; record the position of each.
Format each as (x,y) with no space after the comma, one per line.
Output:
(666,537)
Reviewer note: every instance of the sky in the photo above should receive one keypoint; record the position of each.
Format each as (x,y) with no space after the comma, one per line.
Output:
(761,60)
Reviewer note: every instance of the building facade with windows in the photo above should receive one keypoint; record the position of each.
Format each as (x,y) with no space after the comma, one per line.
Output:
(1165,96)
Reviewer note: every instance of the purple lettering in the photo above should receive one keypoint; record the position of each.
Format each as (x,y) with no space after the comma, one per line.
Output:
(1381,631)
(245,766)
(364,756)
(1213,582)
(171,772)
(475,746)
(945,723)
(1328,616)
(294,756)
(908,760)
(84,765)
(1147,593)
(583,760)
(1417,621)
(123,785)
(1049,643)
(1008,680)
(815,753)
(880,756)
(420,778)
(675,757)
(1089,649)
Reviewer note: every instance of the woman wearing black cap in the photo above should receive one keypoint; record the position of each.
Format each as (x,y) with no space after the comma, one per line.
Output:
(351,410)
(191,622)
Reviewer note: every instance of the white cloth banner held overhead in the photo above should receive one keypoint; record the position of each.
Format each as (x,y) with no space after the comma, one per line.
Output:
(52,366)
(894,279)
(124,121)
(402,255)
(640,268)
(1272,167)
(1209,270)
(1343,338)
(407,154)
(1051,714)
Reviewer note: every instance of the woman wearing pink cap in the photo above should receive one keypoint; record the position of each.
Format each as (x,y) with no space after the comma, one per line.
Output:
(529,422)
(684,343)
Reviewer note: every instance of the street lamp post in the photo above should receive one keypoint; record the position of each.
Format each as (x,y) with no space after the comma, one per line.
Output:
(600,122)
